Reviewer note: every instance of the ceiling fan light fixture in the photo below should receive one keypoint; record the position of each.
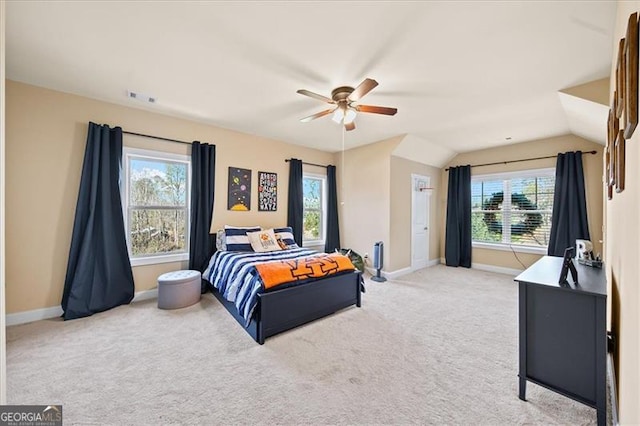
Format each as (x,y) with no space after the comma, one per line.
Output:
(349,115)
(338,115)
(344,99)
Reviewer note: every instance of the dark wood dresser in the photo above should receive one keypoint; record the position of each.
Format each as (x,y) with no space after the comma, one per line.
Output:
(562,332)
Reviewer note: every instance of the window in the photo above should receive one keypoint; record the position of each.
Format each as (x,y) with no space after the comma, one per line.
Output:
(512,209)
(313,190)
(156,191)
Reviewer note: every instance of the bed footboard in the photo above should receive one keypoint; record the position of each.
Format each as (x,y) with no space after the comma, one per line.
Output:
(281,310)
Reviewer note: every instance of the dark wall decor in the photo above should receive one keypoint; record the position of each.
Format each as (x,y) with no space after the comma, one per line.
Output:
(607,153)
(631,77)
(623,116)
(267,192)
(612,168)
(239,189)
(611,145)
(619,155)
(620,79)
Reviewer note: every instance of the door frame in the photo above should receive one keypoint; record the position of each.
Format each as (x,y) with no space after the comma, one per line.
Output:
(414,178)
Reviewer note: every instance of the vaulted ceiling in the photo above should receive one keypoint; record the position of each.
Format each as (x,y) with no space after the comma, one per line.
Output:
(463,75)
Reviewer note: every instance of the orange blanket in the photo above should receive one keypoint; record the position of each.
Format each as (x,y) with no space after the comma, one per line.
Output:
(291,270)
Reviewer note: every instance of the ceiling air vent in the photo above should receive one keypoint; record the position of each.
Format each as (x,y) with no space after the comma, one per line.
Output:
(141,97)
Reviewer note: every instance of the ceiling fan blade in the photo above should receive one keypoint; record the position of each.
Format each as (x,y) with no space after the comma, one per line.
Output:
(317,115)
(315,96)
(350,126)
(365,87)
(376,109)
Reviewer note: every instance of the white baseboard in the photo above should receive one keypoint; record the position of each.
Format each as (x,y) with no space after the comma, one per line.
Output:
(145,295)
(496,269)
(389,275)
(433,262)
(34,315)
(392,275)
(56,311)
(491,268)
(397,273)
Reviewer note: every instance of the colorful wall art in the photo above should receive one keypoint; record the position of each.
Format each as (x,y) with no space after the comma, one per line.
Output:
(267,192)
(239,192)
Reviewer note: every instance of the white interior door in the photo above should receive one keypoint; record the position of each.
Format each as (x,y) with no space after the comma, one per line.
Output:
(420,197)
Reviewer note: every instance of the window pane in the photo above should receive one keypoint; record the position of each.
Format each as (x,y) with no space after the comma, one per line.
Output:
(529,220)
(476,202)
(530,228)
(312,225)
(312,193)
(491,187)
(157,182)
(157,231)
(485,228)
(545,201)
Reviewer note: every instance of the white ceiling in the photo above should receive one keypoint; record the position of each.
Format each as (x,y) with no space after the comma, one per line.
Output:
(463,75)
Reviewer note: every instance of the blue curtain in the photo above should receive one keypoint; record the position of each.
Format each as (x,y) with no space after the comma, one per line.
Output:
(295,205)
(569,218)
(457,247)
(202,243)
(99,273)
(332,241)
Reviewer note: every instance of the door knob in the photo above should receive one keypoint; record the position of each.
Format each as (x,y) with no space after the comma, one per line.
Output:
(426,228)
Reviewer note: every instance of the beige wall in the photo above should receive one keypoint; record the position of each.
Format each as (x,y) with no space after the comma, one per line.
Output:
(400,211)
(622,259)
(3,361)
(364,196)
(594,91)
(540,148)
(45,138)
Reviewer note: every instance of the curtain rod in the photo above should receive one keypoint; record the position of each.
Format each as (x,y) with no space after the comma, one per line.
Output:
(308,164)
(156,137)
(525,159)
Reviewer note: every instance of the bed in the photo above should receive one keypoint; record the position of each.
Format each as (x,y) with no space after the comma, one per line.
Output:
(234,279)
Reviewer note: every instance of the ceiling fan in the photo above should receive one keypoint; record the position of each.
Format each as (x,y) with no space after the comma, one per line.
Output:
(344,99)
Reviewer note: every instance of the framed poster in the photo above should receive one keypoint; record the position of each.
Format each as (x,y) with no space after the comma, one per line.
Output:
(613,135)
(631,77)
(620,160)
(607,153)
(620,79)
(239,189)
(267,192)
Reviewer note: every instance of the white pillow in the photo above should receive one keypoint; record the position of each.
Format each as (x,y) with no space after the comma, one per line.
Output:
(263,241)
(236,237)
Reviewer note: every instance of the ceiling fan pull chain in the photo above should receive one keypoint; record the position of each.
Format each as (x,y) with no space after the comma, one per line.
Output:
(342,177)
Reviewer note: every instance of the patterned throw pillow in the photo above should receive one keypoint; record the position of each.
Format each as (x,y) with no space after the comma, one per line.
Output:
(236,237)
(221,244)
(286,234)
(281,243)
(263,241)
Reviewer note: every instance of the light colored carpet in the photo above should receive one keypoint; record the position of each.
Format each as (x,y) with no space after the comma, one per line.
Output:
(438,346)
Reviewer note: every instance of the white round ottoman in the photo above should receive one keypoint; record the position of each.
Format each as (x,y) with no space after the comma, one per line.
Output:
(178,289)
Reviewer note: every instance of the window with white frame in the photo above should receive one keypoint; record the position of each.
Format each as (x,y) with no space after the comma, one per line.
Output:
(156,189)
(512,209)
(313,189)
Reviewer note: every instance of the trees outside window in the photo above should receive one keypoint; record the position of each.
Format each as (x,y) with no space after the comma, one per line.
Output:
(156,204)
(313,188)
(512,208)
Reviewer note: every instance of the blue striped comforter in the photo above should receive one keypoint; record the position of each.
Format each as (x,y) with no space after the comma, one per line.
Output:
(233,274)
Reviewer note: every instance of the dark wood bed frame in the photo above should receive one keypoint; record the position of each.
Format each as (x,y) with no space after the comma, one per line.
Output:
(281,310)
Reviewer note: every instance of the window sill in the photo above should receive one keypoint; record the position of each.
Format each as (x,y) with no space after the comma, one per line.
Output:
(153,260)
(314,245)
(514,247)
